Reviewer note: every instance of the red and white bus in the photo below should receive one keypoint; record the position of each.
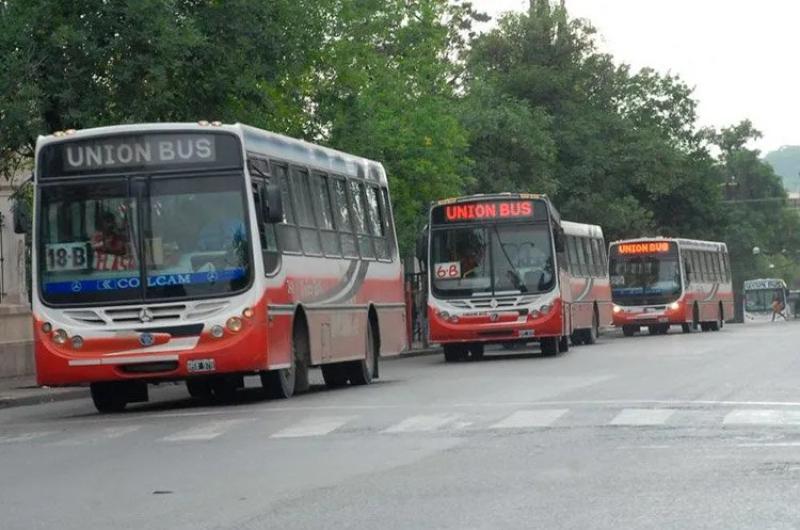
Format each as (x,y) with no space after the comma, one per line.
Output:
(660,282)
(506,269)
(208,252)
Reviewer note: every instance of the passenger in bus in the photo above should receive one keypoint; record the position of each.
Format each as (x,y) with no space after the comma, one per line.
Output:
(110,245)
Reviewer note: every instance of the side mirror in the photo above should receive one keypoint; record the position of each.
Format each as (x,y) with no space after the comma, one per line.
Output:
(273,204)
(558,239)
(422,248)
(22,219)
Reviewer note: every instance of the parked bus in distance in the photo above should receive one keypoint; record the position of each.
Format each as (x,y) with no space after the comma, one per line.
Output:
(506,269)
(761,294)
(660,282)
(206,253)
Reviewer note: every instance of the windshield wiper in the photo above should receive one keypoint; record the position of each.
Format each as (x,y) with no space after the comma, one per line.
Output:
(516,277)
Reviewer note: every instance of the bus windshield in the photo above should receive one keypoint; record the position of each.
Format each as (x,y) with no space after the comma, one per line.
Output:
(760,300)
(191,231)
(491,259)
(645,279)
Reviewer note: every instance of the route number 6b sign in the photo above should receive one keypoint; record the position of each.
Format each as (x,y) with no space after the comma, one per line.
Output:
(448,271)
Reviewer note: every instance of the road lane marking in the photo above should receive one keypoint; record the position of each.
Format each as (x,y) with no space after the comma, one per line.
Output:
(206,431)
(762,417)
(530,418)
(423,423)
(313,427)
(633,417)
(105,434)
(24,437)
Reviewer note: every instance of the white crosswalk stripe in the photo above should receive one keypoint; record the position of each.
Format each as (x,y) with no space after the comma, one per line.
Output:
(642,417)
(762,417)
(423,423)
(103,435)
(23,437)
(313,427)
(530,418)
(206,431)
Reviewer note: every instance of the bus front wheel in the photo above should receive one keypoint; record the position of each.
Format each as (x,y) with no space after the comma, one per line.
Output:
(109,397)
(549,346)
(629,331)
(454,353)
(362,372)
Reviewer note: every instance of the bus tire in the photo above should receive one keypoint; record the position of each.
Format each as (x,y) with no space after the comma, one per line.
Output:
(361,372)
(563,344)
(578,337)
(108,397)
(717,324)
(591,334)
(223,388)
(454,353)
(199,388)
(549,346)
(476,351)
(652,330)
(334,375)
(629,331)
(686,327)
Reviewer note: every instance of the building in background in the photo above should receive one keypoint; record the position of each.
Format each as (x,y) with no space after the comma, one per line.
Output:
(16,346)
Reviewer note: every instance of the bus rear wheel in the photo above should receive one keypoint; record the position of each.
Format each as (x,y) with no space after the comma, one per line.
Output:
(590,335)
(334,375)
(361,372)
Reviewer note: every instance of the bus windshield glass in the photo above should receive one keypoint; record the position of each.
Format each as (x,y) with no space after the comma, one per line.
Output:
(491,259)
(644,276)
(760,300)
(190,230)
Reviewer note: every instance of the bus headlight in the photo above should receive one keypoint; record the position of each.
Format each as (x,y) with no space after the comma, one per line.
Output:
(617,309)
(60,336)
(77,342)
(47,327)
(546,308)
(248,312)
(444,315)
(674,306)
(217,331)
(534,314)
(234,324)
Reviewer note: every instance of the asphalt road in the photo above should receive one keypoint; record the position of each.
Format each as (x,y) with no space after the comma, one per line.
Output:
(677,431)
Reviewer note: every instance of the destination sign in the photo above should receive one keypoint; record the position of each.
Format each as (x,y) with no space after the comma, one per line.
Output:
(125,153)
(647,247)
(489,211)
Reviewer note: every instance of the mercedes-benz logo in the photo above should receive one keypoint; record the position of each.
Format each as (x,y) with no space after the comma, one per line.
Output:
(211,277)
(493,303)
(76,287)
(145,315)
(146,339)
(493,317)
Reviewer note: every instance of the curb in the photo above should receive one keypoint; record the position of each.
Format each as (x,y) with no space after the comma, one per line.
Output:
(7,401)
(419,353)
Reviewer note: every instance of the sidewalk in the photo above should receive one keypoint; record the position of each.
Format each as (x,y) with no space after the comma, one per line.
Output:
(21,391)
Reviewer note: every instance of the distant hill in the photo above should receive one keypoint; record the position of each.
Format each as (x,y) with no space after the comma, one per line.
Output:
(786,163)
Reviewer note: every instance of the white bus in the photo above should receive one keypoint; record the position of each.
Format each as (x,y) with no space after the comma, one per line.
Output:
(759,297)
(205,253)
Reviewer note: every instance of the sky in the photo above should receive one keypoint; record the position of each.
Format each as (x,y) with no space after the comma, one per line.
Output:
(739,55)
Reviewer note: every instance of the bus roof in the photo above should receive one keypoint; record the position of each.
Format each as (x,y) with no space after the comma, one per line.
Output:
(257,141)
(688,244)
(572,228)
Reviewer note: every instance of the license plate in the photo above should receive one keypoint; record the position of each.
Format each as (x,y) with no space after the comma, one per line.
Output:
(201,365)
(526,333)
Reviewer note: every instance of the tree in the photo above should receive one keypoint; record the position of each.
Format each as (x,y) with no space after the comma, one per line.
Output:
(85,63)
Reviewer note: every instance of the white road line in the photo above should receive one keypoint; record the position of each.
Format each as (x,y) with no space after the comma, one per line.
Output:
(24,437)
(108,433)
(206,431)
(313,427)
(423,423)
(642,417)
(762,417)
(530,418)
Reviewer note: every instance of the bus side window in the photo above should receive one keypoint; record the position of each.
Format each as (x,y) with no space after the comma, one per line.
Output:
(288,237)
(360,216)
(706,266)
(723,270)
(572,256)
(321,197)
(688,268)
(309,236)
(591,258)
(583,266)
(341,214)
(377,219)
(717,270)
